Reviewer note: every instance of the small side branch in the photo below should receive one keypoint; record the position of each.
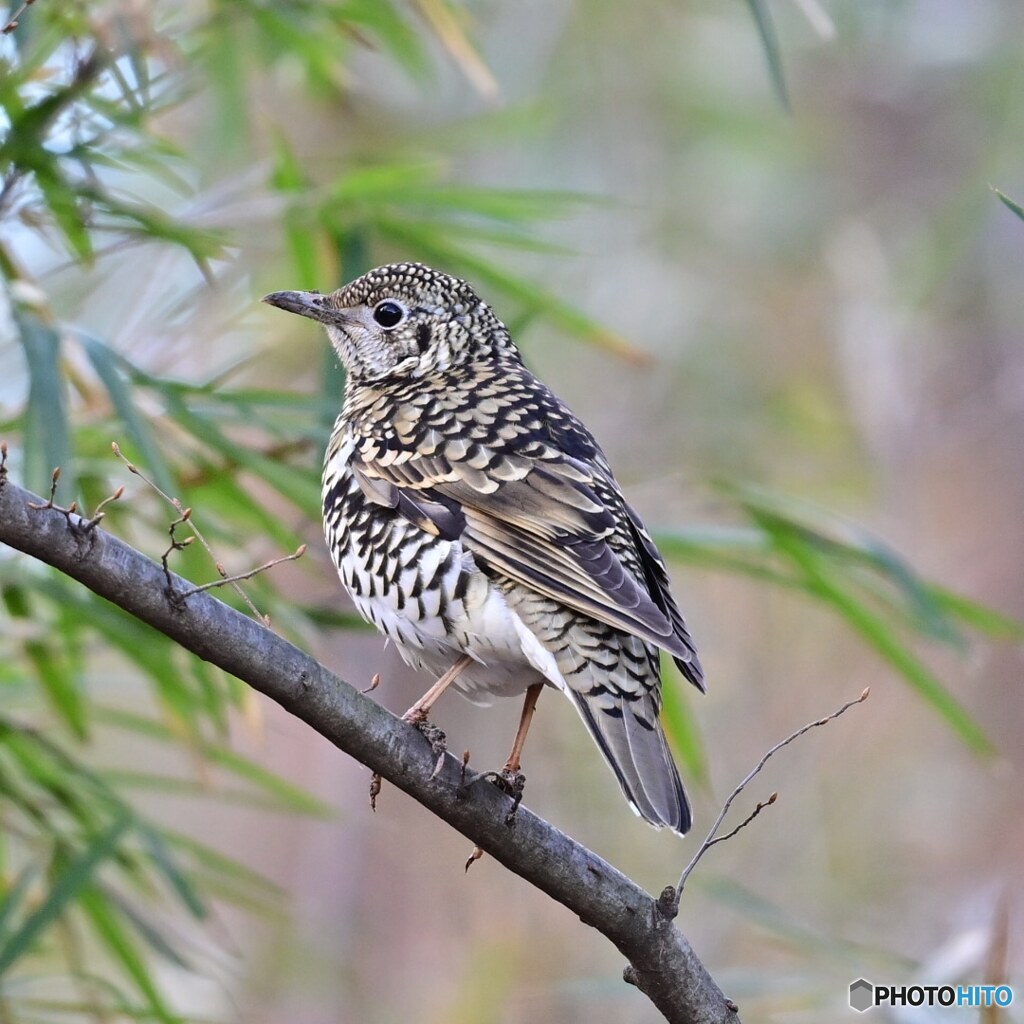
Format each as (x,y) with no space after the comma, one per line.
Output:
(79,525)
(185,516)
(12,22)
(713,837)
(297,553)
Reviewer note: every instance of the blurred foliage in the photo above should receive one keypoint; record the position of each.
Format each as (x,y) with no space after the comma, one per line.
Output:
(1010,204)
(87,174)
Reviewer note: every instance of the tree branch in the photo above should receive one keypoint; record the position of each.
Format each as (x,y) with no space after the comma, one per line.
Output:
(662,963)
(713,837)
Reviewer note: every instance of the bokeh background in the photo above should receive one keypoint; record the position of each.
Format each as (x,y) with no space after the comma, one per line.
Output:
(756,247)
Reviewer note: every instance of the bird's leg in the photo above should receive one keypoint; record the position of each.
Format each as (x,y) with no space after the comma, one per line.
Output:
(417,714)
(510,778)
(419,711)
(529,706)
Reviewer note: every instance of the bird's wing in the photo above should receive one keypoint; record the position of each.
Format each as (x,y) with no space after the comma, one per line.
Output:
(656,577)
(535,514)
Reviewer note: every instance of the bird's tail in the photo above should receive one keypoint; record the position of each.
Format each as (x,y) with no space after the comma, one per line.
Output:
(631,739)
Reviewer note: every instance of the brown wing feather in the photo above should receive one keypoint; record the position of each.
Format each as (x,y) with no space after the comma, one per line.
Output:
(547,530)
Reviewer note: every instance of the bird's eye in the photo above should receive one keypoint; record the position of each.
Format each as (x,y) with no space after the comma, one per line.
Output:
(388,314)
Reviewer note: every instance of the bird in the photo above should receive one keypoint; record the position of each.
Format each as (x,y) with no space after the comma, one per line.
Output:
(476,522)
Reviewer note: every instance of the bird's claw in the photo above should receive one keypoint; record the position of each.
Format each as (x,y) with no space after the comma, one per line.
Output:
(438,744)
(436,738)
(512,782)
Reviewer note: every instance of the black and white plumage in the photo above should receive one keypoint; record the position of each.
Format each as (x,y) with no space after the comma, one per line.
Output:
(470,512)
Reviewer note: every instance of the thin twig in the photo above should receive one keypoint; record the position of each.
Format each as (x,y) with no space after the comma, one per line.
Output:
(297,553)
(176,545)
(98,513)
(761,805)
(80,526)
(38,506)
(180,508)
(12,22)
(712,836)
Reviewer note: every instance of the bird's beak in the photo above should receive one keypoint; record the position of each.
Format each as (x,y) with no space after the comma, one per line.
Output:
(309,304)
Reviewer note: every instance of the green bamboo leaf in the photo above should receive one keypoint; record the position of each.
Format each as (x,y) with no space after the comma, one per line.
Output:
(289,177)
(783,925)
(135,423)
(222,866)
(680,723)
(770,42)
(977,616)
(353,251)
(40,763)
(70,884)
(60,682)
(63,205)
(163,860)
(316,50)
(150,223)
(380,183)
(175,785)
(223,499)
(54,664)
(301,488)
(1010,204)
(434,248)
(292,797)
(878,633)
(863,556)
(392,31)
(331,618)
(214,697)
(47,439)
(109,930)
(510,236)
(14,896)
(731,549)
(513,206)
(154,654)
(150,933)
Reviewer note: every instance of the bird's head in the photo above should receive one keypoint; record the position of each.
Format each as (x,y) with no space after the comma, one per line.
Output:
(401,320)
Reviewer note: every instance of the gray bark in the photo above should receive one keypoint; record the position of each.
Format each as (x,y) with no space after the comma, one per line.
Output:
(662,963)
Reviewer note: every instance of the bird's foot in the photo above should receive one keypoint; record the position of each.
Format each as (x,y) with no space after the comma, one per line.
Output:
(433,734)
(512,782)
